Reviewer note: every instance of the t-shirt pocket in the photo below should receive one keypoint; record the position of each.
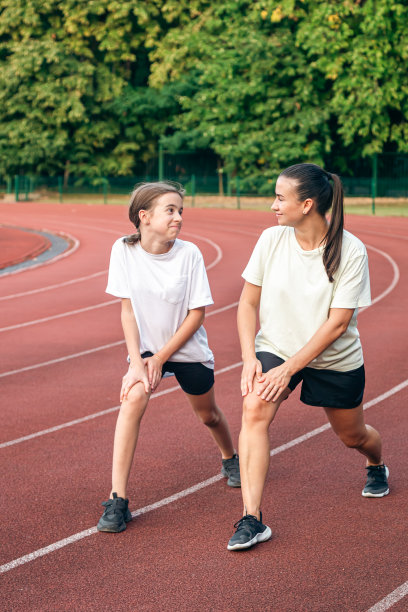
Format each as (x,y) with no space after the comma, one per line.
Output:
(174,289)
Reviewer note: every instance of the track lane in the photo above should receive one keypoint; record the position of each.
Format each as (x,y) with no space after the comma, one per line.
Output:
(206,592)
(287,561)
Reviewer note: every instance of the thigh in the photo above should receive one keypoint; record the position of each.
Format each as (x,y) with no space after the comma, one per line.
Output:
(346,421)
(203,403)
(193,378)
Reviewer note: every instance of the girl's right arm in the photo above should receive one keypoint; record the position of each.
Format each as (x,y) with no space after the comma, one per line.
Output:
(246,318)
(137,370)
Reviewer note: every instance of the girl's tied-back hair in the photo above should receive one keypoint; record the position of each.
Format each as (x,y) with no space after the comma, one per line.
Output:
(144,197)
(315,183)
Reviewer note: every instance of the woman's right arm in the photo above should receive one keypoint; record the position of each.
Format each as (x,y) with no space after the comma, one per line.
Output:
(246,318)
(137,371)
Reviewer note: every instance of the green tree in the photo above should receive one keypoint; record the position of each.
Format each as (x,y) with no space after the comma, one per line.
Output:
(63,64)
(278,82)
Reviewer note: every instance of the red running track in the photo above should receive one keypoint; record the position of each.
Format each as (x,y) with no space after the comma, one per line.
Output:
(331,548)
(17,245)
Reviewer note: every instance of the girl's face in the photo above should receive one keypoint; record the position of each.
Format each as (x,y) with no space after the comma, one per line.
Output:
(288,208)
(164,218)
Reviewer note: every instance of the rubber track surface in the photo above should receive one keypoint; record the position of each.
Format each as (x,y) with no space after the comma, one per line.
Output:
(17,245)
(331,550)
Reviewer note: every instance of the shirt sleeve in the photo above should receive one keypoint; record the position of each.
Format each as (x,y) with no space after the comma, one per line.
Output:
(353,286)
(117,277)
(254,270)
(200,293)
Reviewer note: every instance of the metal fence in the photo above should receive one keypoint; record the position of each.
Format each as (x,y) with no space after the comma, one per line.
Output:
(386,176)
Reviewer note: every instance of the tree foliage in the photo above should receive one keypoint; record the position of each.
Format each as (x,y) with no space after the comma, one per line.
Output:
(279,82)
(64,65)
(89,87)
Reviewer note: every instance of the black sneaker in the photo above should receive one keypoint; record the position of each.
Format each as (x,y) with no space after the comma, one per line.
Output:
(230,469)
(249,531)
(377,483)
(115,516)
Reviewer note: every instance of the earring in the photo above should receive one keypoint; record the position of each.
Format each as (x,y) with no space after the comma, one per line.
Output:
(305,212)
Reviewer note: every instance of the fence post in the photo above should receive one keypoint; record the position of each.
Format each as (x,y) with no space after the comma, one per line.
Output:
(374,183)
(193,190)
(105,190)
(16,186)
(27,188)
(238,192)
(161,161)
(229,186)
(60,181)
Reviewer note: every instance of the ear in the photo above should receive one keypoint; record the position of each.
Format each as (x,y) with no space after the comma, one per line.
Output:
(307,206)
(143,216)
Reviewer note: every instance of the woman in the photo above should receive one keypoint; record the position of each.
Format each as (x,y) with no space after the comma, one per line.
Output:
(308,277)
(164,289)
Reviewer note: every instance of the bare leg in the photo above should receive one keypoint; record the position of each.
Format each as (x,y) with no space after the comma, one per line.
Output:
(254,448)
(210,415)
(350,428)
(126,435)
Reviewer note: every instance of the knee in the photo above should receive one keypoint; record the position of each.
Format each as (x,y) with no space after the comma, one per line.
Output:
(354,439)
(253,411)
(209,419)
(135,404)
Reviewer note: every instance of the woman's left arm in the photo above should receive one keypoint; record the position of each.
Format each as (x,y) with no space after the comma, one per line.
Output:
(273,383)
(190,325)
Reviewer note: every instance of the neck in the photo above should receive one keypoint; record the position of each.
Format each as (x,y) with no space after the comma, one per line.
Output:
(154,246)
(311,232)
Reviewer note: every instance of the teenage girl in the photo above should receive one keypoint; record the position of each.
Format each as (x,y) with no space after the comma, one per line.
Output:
(164,289)
(308,278)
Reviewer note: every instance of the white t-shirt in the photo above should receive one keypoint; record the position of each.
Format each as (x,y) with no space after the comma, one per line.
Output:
(162,289)
(297,295)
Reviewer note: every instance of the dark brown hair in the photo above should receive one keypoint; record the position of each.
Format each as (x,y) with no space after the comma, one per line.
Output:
(144,197)
(315,183)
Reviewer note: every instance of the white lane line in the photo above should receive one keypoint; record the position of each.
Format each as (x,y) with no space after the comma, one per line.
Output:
(56,286)
(61,359)
(391,599)
(395,279)
(94,350)
(213,244)
(201,485)
(59,316)
(95,415)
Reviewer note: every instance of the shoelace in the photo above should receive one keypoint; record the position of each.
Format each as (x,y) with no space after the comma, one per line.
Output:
(376,474)
(249,518)
(111,505)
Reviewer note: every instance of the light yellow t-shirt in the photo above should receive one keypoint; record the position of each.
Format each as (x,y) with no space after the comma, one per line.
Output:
(296,296)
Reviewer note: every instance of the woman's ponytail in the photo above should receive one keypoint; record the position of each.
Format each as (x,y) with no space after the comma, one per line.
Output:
(132,239)
(334,236)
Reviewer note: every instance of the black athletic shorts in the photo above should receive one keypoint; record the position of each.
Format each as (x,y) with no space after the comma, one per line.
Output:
(326,388)
(194,378)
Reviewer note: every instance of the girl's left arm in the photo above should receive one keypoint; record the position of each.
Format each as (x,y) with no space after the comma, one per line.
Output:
(192,322)
(273,383)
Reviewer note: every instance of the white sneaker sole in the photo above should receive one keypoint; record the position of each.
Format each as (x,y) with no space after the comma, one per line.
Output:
(260,537)
(387,473)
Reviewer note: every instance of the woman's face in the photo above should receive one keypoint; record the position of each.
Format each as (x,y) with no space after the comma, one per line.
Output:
(286,206)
